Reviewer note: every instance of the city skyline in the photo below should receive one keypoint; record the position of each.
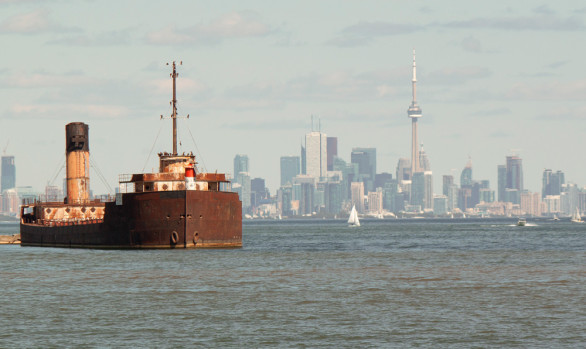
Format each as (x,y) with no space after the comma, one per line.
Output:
(493,78)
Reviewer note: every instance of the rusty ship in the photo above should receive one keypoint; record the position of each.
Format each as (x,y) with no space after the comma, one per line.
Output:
(178,207)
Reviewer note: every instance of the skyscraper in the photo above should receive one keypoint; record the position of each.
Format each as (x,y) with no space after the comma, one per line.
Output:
(466,176)
(502,182)
(403,170)
(448,180)
(289,169)
(357,190)
(414,112)
(424,164)
(365,158)
(316,155)
(514,173)
(332,151)
(552,183)
(8,173)
(240,164)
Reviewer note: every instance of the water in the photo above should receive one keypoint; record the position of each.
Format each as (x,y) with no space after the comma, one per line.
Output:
(309,284)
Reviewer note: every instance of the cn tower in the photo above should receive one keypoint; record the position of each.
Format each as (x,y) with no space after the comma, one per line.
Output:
(414,112)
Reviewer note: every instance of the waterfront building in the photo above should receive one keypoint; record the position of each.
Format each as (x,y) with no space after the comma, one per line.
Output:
(440,205)
(530,203)
(289,169)
(10,202)
(375,201)
(8,179)
(553,204)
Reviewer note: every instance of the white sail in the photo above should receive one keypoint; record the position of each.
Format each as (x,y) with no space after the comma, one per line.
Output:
(576,216)
(353,219)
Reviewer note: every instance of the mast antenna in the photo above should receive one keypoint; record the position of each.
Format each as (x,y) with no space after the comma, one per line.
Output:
(174,116)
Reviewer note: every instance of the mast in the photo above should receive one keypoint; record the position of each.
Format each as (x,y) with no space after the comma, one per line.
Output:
(174,104)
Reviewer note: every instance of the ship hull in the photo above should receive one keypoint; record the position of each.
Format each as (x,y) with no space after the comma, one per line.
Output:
(150,220)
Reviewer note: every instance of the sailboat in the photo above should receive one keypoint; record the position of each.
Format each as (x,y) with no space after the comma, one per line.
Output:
(353,219)
(576,217)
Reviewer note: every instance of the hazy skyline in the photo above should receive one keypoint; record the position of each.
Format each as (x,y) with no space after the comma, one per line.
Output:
(492,77)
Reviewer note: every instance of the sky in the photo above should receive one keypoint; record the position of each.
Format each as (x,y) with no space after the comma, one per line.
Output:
(494,79)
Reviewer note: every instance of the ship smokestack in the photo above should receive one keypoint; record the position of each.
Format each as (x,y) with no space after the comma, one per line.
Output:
(77,150)
(189,178)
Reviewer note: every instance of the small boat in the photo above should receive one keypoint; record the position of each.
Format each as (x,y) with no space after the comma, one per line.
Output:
(576,218)
(353,219)
(521,222)
(555,218)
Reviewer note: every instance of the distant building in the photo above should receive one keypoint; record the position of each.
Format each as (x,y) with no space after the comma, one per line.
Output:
(381,179)
(304,193)
(424,163)
(502,182)
(365,159)
(530,203)
(440,205)
(289,169)
(357,189)
(447,181)
(552,183)
(514,173)
(553,204)
(403,170)
(8,179)
(332,149)
(316,155)
(375,202)
(466,175)
(418,190)
(240,164)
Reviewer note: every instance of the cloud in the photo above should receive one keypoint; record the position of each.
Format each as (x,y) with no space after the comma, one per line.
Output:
(544,10)
(563,114)
(499,134)
(471,44)
(47,111)
(32,23)
(557,64)
(232,25)
(550,91)
(535,23)
(110,38)
(43,80)
(460,75)
(364,32)
(326,87)
(493,112)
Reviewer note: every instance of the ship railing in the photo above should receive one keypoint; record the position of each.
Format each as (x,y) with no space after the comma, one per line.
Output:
(43,199)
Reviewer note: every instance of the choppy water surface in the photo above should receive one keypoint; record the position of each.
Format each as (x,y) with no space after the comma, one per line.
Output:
(309,284)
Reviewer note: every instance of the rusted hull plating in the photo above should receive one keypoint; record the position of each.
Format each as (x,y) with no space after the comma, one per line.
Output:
(165,219)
